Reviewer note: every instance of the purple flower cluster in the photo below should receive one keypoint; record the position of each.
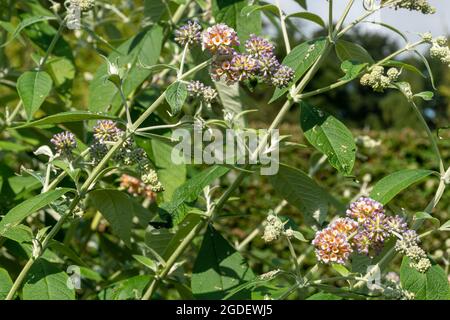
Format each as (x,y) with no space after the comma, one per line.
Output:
(365,231)
(64,143)
(189,34)
(259,61)
(228,64)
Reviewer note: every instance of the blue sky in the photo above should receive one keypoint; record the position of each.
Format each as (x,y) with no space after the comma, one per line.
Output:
(409,22)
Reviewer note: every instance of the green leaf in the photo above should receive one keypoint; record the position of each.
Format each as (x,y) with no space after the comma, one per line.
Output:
(426,216)
(324,296)
(154,10)
(229,12)
(23,210)
(426,95)
(26,23)
(129,289)
(253,8)
(346,50)
(189,223)
(330,136)
(45,281)
(144,48)
(445,226)
(170,174)
(232,98)
(431,285)
(190,191)
(149,263)
(352,69)
(218,269)
(388,187)
(308,16)
(302,3)
(403,65)
(301,191)
(176,95)
(33,88)
(66,117)
(342,270)
(5,283)
(118,208)
(301,58)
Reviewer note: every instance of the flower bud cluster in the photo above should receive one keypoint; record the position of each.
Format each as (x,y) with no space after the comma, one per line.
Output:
(408,245)
(83,5)
(416,5)
(440,50)
(273,229)
(378,80)
(198,89)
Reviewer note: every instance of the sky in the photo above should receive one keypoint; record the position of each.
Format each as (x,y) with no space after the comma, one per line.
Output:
(408,22)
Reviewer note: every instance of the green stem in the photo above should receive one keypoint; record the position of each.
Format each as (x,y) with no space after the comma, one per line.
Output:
(431,137)
(283,28)
(23,273)
(52,45)
(173,258)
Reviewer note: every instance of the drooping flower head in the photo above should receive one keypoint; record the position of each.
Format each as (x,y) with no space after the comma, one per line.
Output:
(220,39)
(283,76)
(64,143)
(189,34)
(106,131)
(257,47)
(332,246)
(363,208)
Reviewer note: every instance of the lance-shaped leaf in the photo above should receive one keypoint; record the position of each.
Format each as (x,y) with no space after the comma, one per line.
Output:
(45,281)
(66,117)
(301,191)
(330,136)
(301,58)
(388,187)
(189,192)
(33,88)
(346,50)
(23,210)
(5,283)
(218,269)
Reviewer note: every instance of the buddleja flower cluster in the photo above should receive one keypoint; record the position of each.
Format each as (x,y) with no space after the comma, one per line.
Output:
(416,5)
(274,229)
(378,80)
(440,50)
(230,65)
(83,5)
(364,230)
(198,89)
(136,187)
(105,134)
